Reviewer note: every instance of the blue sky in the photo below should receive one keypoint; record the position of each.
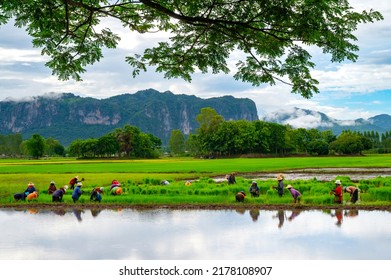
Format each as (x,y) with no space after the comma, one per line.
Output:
(347,90)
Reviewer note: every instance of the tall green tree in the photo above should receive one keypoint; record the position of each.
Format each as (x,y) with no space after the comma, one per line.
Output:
(36,146)
(209,121)
(176,142)
(271,35)
(54,147)
(10,145)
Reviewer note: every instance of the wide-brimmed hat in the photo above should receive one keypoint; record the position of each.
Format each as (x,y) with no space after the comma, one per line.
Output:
(52,183)
(289,186)
(280,177)
(338,182)
(79,184)
(30,184)
(65,187)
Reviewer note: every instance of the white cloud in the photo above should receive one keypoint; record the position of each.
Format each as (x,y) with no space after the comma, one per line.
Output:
(13,55)
(22,73)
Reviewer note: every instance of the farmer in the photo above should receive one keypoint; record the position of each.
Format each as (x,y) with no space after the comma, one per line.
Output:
(96,194)
(74,181)
(254,189)
(337,192)
(280,185)
(295,194)
(353,191)
(115,188)
(77,192)
(22,196)
(240,196)
(231,178)
(32,196)
(58,194)
(52,187)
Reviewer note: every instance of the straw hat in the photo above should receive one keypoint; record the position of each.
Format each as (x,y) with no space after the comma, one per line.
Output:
(338,182)
(79,184)
(65,187)
(289,186)
(30,184)
(280,177)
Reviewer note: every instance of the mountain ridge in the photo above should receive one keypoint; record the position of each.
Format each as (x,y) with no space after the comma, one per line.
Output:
(68,117)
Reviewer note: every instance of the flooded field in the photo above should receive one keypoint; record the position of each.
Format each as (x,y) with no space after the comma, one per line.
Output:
(164,234)
(321,174)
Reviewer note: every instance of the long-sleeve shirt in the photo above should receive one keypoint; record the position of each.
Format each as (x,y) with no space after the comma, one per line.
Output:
(295,193)
(76,193)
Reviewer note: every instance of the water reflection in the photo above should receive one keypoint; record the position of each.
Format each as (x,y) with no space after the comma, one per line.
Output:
(281,217)
(254,213)
(194,234)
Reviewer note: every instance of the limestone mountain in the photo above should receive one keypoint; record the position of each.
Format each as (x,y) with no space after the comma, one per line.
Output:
(67,117)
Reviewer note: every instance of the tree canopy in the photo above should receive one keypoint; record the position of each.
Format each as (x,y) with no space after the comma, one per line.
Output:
(270,36)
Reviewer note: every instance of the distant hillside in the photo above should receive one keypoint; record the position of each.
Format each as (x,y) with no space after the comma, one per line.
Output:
(67,117)
(302,118)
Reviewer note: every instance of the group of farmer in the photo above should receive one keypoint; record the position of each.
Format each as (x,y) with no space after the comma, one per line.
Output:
(31,193)
(296,195)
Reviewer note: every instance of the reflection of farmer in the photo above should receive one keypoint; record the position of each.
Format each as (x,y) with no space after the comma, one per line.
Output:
(339,215)
(281,218)
(351,213)
(294,214)
(77,213)
(254,213)
(280,185)
(337,192)
(353,191)
(95,212)
(254,189)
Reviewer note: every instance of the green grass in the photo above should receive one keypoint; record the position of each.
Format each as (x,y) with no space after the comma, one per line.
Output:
(141,180)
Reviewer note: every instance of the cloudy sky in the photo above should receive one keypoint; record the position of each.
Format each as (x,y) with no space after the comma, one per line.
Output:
(347,90)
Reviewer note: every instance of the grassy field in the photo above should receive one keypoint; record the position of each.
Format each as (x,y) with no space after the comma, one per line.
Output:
(141,180)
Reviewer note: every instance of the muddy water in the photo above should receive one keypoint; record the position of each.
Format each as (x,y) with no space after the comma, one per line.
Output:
(321,174)
(163,234)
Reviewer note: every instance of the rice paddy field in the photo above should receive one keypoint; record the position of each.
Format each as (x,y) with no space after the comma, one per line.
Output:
(141,181)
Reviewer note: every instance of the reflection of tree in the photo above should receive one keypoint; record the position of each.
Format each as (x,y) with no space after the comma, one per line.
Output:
(294,214)
(254,213)
(77,213)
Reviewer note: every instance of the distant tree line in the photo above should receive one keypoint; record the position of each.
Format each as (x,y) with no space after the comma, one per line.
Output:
(215,137)
(126,142)
(12,145)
